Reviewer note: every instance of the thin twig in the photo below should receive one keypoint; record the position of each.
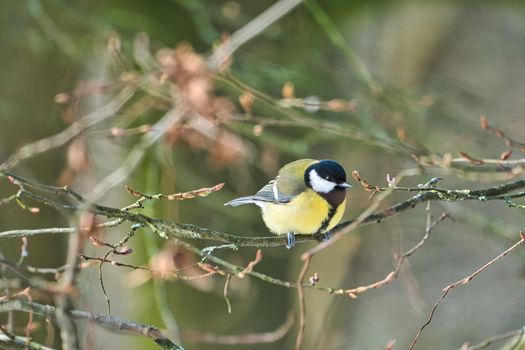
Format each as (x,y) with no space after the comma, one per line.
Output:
(251,264)
(241,339)
(225,293)
(114,250)
(23,250)
(302,304)
(430,226)
(176,230)
(17,342)
(173,274)
(392,275)
(429,319)
(109,322)
(249,31)
(509,142)
(307,258)
(518,333)
(67,284)
(464,281)
(171,118)
(91,119)
(201,192)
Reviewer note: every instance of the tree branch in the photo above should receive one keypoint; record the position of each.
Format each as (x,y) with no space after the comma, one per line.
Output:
(17,342)
(464,281)
(172,230)
(109,322)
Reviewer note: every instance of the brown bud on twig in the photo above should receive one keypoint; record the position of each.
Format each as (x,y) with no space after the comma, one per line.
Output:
(472,160)
(447,160)
(352,295)
(499,133)
(423,161)
(258,129)
(288,91)
(390,345)
(114,44)
(62,98)
(314,279)
(364,183)
(98,243)
(251,264)
(391,180)
(123,251)
(88,225)
(145,128)
(209,268)
(505,155)
(201,192)
(246,101)
(117,132)
(77,155)
(401,133)
(483,122)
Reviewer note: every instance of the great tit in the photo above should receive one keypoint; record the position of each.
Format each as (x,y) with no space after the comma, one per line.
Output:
(308,196)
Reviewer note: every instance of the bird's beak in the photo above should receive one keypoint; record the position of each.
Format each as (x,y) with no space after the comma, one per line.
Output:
(344,185)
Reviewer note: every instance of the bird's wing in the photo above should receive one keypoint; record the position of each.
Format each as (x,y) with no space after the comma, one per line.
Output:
(271,193)
(288,184)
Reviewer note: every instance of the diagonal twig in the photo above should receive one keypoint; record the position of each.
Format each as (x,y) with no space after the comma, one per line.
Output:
(112,323)
(463,281)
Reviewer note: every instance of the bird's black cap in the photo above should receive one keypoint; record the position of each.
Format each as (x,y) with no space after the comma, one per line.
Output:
(327,169)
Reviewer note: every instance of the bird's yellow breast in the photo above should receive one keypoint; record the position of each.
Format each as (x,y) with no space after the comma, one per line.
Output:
(302,215)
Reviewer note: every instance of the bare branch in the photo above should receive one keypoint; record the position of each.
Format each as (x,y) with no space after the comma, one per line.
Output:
(249,31)
(201,192)
(17,342)
(169,229)
(171,118)
(109,322)
(464,281)
(93,118)
(518,333)
(241,339)
(509,142)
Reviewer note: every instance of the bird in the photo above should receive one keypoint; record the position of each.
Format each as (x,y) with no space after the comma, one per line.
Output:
(307,196)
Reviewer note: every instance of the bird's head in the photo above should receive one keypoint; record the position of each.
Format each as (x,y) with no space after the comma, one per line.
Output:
(326,176)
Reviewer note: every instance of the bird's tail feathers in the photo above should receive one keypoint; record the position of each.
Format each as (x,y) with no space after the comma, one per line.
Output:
(246,200)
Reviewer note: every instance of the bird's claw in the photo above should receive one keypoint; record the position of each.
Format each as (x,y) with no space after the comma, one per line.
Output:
(290,237)
(323,236)
(327,236)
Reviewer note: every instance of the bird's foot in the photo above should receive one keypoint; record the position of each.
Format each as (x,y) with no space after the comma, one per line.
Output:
(290,240)
(327,236)
(323,237)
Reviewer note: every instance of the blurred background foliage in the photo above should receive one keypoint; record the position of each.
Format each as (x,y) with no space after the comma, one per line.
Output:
(395,78)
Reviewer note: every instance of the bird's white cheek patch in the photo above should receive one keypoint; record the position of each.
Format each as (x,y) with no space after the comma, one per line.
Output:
(319,184)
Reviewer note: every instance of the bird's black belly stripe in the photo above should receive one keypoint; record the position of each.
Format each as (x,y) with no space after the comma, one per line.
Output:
(334,198)
(329,217)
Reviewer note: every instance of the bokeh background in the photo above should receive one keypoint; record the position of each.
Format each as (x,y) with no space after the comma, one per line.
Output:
(404,77)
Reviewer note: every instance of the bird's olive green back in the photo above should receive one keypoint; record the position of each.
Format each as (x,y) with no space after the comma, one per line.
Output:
(290,180)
